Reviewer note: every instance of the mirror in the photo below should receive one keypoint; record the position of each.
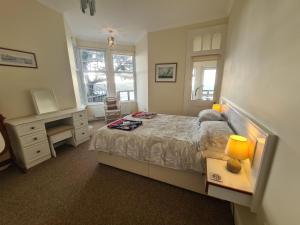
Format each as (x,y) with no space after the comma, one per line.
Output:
(44,101)
(2,143)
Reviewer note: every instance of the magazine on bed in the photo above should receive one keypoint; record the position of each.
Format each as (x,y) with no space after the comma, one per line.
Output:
(144,115)
(125,124)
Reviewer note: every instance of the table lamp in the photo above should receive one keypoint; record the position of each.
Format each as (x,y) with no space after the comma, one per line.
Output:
(237,149)
(217,107)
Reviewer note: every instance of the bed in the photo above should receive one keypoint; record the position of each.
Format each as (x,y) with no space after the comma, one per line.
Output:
(172,149)
(174,143)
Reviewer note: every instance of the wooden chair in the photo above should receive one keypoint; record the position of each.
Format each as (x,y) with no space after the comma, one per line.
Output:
(112,109)
(60,133)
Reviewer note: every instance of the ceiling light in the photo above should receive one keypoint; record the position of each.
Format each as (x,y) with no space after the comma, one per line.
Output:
(88,3)
(111,41)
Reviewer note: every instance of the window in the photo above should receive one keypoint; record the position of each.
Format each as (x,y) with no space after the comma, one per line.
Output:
(207,42)
(204,54)
(204,59)
(94,74)
(124,76)
(106,73)
(203,79)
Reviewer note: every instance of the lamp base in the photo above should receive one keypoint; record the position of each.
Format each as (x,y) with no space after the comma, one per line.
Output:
(234,165)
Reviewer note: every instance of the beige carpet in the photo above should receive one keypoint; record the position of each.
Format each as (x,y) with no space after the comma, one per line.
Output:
(75,189)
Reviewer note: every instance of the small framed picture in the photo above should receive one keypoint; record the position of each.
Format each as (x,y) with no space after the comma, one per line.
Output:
(17,58)
(165,72)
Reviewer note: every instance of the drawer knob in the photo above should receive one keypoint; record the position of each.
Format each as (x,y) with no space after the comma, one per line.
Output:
(32,128)
(38,151)
(81,123)
(35,139)
(83,133)
(80,115)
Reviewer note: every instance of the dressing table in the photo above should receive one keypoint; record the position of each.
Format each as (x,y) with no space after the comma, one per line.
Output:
(28,135)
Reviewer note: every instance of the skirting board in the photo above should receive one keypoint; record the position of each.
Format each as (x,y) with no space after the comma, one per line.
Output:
(188,180)
(243,216)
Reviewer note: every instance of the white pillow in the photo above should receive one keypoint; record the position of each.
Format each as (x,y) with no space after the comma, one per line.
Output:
(210,115)
(218,133)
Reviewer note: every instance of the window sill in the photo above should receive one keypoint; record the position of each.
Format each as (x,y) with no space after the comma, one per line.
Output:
(95,103)
(102,103)
(130,101)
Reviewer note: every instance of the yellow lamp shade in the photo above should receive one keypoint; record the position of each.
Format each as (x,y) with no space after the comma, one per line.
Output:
(217,107)
(237,147)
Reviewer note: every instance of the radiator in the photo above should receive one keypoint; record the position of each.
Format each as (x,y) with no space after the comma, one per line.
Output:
(96,111)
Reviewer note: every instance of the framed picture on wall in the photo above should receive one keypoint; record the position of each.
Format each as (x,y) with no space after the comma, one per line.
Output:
(165,72)
(17,58)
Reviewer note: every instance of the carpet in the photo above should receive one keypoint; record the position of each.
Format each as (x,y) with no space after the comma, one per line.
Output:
(73,189)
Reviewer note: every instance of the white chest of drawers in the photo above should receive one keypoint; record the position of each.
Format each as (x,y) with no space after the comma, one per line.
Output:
(28,135)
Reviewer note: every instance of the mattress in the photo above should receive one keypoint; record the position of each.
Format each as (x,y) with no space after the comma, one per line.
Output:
(166,140)
(176,142)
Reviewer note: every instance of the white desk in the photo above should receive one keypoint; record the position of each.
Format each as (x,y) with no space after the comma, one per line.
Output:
(29,139)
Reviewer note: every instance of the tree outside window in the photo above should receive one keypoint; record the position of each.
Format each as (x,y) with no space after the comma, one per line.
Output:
(94,73)
(124,76)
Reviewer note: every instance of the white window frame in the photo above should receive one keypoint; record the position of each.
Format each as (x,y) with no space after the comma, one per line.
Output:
(189,104)
(130,53)
(110,77)
(203,72)
(82,75)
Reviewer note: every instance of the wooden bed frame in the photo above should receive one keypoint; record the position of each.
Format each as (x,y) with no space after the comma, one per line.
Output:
(263,145)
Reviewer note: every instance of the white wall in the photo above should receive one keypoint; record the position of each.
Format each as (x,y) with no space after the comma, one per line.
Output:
(261,75)
(30,26)
(103,45)
(170,46)
(72,61)
(141,60)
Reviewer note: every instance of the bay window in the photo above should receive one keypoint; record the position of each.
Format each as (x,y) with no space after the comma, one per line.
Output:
(106,73)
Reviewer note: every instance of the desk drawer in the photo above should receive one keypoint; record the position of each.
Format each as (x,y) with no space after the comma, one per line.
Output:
(34,138)
(82,133)
(80,123)
(29,128)
(80,115)
(36,151)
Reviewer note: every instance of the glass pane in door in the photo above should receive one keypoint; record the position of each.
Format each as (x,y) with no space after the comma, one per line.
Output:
(204,80)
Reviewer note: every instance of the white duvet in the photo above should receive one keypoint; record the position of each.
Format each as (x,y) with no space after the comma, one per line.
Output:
(167,140)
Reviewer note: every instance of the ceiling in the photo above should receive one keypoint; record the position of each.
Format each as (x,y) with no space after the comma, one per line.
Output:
(133,18)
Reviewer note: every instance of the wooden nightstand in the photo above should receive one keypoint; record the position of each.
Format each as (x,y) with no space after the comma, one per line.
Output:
(232,187)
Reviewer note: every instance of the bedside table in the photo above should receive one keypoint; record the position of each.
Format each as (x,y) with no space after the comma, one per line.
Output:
(220,183)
